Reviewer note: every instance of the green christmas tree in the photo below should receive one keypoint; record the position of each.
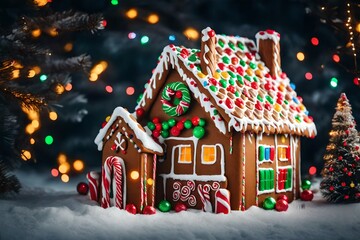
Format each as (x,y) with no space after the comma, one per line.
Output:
(341,172)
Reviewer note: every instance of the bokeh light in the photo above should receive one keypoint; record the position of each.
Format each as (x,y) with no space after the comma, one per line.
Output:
(68,47)
(36,33)
(41,3)
(300,56)
(25,155)
(132,35)
(53,116)
(357,28)
(144,40)
(153,18)
(114,2)
(333,82)
(150,181)
(172,38)
(308,76)
(32,141)
(78,165)
(109,89)
(31,73)
(35,123)
(65,178)
(134,175)
(357,81)
(64,167)
(68,87)
(43,78)
(336,58)
(62,158)
(312,170)
(314,41)
(130,91)
(191,33)
(131,13)
(54,172)
(49,140)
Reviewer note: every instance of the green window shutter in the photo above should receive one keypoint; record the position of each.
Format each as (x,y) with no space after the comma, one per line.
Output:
(271,179)
(288,178)
(261,153)
(261,180)
(267,177)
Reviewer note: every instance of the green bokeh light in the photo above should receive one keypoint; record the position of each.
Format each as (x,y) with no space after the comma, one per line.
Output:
(49,139)
(43,77)
(114,2)
(144,40)
(333,82)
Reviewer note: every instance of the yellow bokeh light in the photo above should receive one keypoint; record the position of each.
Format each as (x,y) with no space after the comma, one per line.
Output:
(300,56)
(93,77)
(37,69)
(53,32)
(134,175)
(16,73)
(64,167)
(30,129)
(25,155)
(132,13)
(68,47)
(65,178)
(36,33)
(357,28)
(153,18)
(62,158)
(150,181)
(35,123)
(31,73)
(53,116)
(68,87)
(59,89)
(32,141)
(191,33)
(41,3)
(78,165)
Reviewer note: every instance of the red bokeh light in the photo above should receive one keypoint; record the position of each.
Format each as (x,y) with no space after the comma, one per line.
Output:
(357,81)
(109,89)
(312,170)
(54,172)
(336,58)
(315,41)
(130,91)
(308,76)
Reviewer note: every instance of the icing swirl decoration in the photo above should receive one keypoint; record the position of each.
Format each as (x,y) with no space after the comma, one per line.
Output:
(175,99)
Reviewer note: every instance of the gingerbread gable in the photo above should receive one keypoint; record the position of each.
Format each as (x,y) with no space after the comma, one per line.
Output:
(135,133)
(230,80)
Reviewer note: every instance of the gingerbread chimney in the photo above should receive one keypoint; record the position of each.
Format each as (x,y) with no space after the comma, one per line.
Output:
(208,52)
(268,44)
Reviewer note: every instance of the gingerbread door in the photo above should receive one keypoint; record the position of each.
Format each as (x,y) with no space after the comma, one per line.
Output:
(113,185)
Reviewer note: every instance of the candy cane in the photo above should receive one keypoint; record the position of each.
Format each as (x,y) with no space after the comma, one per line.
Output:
(205,197)
(112,162)
(222,201)
(93,178)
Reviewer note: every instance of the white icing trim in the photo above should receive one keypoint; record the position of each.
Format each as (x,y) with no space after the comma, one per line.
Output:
(205,35)
(179,147)
(145,139)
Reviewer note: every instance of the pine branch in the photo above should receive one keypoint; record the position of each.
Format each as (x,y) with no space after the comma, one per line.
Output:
(78,63)
(8,182)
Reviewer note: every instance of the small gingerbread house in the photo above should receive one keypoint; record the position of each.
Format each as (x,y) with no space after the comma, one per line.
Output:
(229,121)
(128,163)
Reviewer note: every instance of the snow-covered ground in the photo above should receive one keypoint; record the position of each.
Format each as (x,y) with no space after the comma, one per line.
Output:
(48,210)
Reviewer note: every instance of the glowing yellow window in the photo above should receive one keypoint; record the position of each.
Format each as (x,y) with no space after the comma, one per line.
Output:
(185,154)
(208,154)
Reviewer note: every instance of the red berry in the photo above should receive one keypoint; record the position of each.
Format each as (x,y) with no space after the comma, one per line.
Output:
(343,184)
(156,120)
(178,94)
(180,207)
(340,158)
(211,33)
(185,52)
(180,125)
(156,133)
(345,144)
(349,174)
(331,188)
(195,120)
(346,197)
(130,208)
(139,112)
(113,147)
(175,131)
(158,126)
(281,205)
(282,197)
(307,195)
(82,188)
(149,210)
(269,31)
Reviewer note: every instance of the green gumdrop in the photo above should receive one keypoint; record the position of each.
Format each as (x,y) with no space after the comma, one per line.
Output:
(188,124)
(199,132)
(306,184)
(269,203)
(171,122)
(165,126)
(164,206)
(165,133)
(151,125)
(202,122)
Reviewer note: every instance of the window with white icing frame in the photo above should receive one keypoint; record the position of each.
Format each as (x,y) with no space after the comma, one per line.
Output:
(266,153)
(266,180)
(185,154)
(208,154)
(284,179)
(283,152)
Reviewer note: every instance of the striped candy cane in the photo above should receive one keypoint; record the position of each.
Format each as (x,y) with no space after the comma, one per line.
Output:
(93,178)
(205,197)
(222,201)
(112,163)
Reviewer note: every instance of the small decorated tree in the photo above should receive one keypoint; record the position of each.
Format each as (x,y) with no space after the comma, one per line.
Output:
(341,172)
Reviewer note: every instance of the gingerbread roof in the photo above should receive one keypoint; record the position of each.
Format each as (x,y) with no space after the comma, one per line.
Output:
(143,142)
(238,90)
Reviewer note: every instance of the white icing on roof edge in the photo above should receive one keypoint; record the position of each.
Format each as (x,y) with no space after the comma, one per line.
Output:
(144,138)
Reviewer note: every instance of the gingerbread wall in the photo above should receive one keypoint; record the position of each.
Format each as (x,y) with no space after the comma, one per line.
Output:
(212,137)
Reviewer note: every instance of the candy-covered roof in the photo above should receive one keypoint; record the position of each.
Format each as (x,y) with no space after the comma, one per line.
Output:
(143,140)
(241,90)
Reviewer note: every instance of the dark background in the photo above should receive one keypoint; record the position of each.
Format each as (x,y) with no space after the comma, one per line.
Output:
(130,63)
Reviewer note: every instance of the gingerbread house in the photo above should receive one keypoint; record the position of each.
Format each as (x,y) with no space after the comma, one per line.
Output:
(229,122)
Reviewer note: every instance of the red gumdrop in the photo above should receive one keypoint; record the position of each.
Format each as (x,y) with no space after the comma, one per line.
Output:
(254,85)
(156,133)
(240,71)
(282,197)
(232,68)
(82,188)
(180,207)
(175,131)
(195,120)
(340,158)
(184,52)
(306,195)
(149,210)
(180,125)
(281,205)
(258,106)
(103,124)
(234,60)
(178,94)
(155,120)
(228,51)
(158,126)
(140,112)
(239,103)
(283,75)
(130,208)
(268,86)
(229,103)
(221,66)
(231,89)
(269,31)
(267,106)
(211,33)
